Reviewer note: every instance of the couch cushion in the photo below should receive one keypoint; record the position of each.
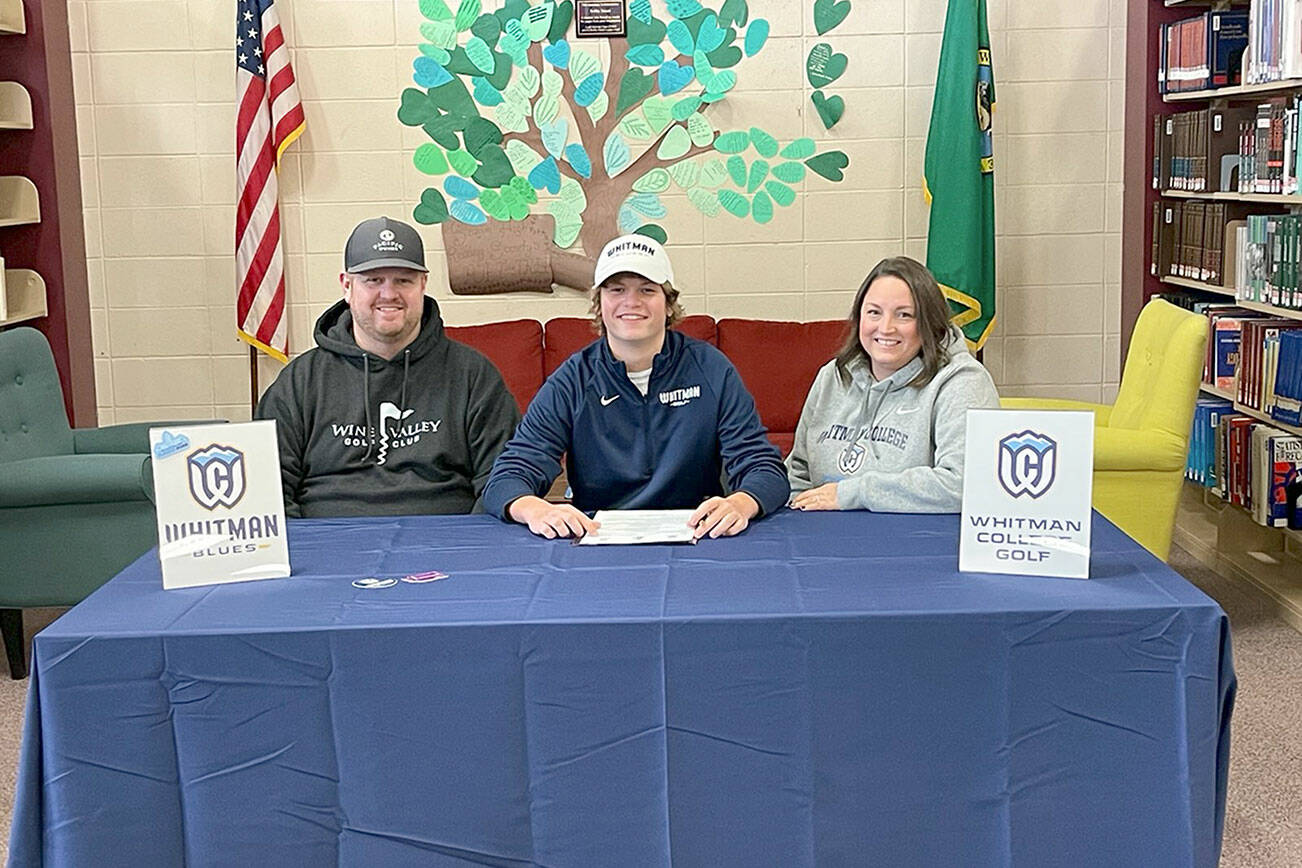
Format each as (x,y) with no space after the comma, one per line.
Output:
(567,335)
(777,362)
(515,347)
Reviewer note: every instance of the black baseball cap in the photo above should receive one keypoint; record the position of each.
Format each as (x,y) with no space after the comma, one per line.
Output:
(382,242)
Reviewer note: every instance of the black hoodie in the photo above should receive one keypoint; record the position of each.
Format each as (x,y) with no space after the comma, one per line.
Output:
(363,435)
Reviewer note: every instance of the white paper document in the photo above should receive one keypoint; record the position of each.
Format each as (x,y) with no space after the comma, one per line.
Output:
(624,527)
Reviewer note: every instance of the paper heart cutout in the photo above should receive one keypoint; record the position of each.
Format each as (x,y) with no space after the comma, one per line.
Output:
(460,188)
(829,13)
(557,54)
(710,36)
(823,66)
(658,113)
(485,94)
(672,77)
(416,109)
(632,88)
(432,208)
(829,109)
(641,10)
(589,88)
(491,202)
(829,165)
(578,159)
(546,176)
(427,72)
(554,136)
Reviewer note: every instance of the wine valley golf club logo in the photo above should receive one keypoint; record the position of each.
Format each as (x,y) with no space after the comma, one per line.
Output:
(1028,463)
(216,476)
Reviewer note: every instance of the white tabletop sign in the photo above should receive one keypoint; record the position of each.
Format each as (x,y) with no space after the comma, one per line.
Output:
(1027,483)
(221,517)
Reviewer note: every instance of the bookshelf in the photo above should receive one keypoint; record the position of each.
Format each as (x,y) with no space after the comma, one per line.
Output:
(1217,533)
(24,291)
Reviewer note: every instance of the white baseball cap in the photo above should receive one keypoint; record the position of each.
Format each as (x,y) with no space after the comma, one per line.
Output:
(638,254)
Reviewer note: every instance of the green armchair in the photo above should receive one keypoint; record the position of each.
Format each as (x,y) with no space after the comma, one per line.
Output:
(75,505)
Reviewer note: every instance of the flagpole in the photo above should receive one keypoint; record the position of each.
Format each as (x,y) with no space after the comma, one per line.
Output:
(253,381)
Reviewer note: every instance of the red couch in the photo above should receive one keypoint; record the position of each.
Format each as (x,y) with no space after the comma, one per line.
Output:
(777,360)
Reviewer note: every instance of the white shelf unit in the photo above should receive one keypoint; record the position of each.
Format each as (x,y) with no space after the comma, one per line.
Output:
(24,291)
(19,201)
(15,106)
(13,19)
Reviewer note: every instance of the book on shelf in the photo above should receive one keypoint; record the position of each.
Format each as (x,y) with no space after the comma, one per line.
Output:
(1276,468)
(1287,408)
(1203,51)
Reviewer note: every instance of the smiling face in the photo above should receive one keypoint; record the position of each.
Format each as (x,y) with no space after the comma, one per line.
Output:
(387,305)
(888,325)
(633,311)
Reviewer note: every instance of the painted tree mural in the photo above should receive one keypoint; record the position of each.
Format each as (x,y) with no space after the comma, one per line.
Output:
(527,127)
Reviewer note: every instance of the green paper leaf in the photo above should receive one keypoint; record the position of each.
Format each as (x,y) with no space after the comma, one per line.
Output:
(680,37)
(479,134)
(511,117)
(487,28)
(799,149)
(734,203)
(737,170)
(675,143)
(568,224)
(443,130)
(433,208)
(615,154)
(658,113)
(704,200)
(762,208)
(830,108)
(651,230)
(480,54)
(647,204)
(721,83)
(495,169)
(582,65)
(516,208)
(537,21)
(781,193)
(523,158)
(441,34)
(597,110)
(430,160)
(552,82)
(725,57)
(759,170)
(641,10)
(511,10)
(645,55)
(713,173)
(467,12)
(572,195)
(526,83)
(650,33)
(523,189)
(700,130)
(683,8)
(561,21)
(436,10)
(546,109)
(766,145)
(829,13)
(733,12)
(792,173)
(654,181)
(635,127)
(684,107)
(434,53)
(732,142)
(416,108)
(823,67)
(632,88)
(829,164)
(462,163)
(685,174)
(491,202)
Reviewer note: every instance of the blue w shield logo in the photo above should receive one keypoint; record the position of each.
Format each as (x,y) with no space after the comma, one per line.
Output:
(216,476)
(1028,463)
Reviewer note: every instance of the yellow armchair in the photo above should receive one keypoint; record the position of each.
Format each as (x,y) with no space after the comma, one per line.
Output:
(1141,441)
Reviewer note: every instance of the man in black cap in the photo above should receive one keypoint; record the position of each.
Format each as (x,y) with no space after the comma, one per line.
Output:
(387,415)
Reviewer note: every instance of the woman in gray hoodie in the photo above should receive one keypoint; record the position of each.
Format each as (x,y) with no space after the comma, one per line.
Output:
(884,425)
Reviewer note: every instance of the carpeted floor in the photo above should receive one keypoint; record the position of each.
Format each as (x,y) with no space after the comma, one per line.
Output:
(1263,822)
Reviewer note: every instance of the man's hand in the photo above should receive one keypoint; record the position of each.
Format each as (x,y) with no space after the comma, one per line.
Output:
(551,520)
(823,497)
(724,516)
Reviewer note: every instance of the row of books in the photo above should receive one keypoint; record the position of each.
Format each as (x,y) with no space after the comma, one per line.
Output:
(1274,49)
(1190,240)
(1247,462)
(1267,252)
(1201,52)
(1243,149)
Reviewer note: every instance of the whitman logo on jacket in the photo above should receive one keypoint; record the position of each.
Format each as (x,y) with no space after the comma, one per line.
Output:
(679,397)
(395,432)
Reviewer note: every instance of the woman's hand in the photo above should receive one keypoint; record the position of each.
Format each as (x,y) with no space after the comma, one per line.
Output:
(551,520)
(823,497)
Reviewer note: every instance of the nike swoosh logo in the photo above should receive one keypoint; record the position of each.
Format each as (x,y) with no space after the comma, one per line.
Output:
(906,412)
(606,402)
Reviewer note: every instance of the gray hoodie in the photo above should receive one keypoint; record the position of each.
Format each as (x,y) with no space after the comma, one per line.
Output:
(889,446)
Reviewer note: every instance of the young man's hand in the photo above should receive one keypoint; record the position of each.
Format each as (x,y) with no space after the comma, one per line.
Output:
(724,516)
(551,520)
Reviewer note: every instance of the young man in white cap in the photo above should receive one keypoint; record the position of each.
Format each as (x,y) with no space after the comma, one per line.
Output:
(386,416)
(647,418)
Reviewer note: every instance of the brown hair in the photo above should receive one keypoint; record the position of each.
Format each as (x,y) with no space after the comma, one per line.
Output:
(673,310)
(930,308)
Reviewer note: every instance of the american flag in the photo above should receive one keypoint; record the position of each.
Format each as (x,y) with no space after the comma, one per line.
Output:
(270,118)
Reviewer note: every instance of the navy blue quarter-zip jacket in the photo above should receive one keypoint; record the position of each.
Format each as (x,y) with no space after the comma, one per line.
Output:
(667,450)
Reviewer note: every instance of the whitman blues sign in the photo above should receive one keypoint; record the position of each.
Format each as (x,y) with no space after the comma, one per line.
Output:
(1027,483)
(221,517)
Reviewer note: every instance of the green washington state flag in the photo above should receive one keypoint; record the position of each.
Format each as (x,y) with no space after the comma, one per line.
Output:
(958,175)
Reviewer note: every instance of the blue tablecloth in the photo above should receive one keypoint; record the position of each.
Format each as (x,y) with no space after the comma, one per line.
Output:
(824,690)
